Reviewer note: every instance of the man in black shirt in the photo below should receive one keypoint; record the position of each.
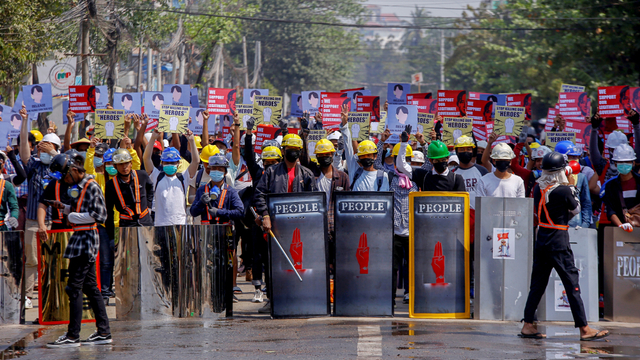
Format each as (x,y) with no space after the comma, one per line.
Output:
(440,178)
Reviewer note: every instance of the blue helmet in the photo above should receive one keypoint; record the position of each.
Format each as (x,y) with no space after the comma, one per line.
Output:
(170,154)
(108,155)
(574,151)
(564,147)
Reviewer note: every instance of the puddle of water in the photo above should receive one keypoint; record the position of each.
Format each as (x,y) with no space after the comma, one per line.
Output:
(18,349)
(624,350)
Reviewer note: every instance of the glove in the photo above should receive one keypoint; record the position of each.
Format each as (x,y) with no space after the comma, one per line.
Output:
(304,121)
(205,199)
(522,137)
(213,211)
(596,120)
(283,125)
(405,134)
(318,125)
(635,118)
(251,123)
(12,222)
(626,227)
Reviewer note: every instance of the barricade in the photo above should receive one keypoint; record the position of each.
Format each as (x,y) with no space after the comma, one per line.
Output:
(439,255)
(555,305)
(364,253)
(621,275)
(12,263)
(503,257)
(299,221)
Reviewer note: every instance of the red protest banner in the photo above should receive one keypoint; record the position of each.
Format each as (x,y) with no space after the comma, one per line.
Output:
(221,101)
(551,115)
(331,108)
(264,132)
(582,130)
(613,101)
(574,105)
(479,110)
(452,103)
(418,96)
(482,130)
(82,98)
(476,95)
(425,106)
(634,101)
(523,100)
(370,104)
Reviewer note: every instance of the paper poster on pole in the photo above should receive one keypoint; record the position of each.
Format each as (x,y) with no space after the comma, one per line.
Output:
(452,103)
(267,109)
(613,101)
(353,95)
(359,125)
(574,105)
(504,246)
(173,119)
(153,102)
(331,110)
(221,101)
(397,93)
(248,95)
(37,98)
(312,139)
(399,116)
(554,137)
(264,133)
(561,300)
(311,101)
(109,124)
(571,88)
(454,127)
(480,110)
(59,73)
(509,120)
(245,111)
(370,104)
(180,94)
(197,120)
(296,105)
(129,102)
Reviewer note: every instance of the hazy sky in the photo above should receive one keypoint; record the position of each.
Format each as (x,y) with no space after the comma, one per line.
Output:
(436,7)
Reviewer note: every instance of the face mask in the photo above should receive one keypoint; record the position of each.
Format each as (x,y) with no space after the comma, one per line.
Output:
(216,175)
(624,169)
(292,155)
(83,154)
(502,165)
(111,170)
(170,169)
(478,158)
(387,153)
(97,162)
(156,160)
(452,167)
(440,167)
(366,162)
(465,157)
(46,158)
(325,161)
(415,167)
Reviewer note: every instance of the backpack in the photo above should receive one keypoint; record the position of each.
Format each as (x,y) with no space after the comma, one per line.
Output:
(379,177)
(178,175)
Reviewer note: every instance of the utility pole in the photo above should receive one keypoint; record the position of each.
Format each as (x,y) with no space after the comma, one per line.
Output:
(221,65)
(149,67)
(140,56)
(183,63)
(85,70)
(174,69)
(244,59)
(441,59)
(159,65)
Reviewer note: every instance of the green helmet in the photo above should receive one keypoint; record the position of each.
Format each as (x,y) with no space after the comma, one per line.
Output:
(437,150)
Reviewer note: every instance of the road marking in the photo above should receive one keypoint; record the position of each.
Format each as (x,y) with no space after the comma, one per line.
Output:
(369,342)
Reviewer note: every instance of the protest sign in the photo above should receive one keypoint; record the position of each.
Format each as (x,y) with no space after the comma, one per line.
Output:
(574,105)
(554,137)
(454,127)
(11,121)
(222,121)
(523,100)
(5,129)
(397,93)
(226,134)
(353,95)
(296,105)
(153,102)
(634,101)
(565,88)
(623,124)
(245,111)
(359,125)
(193,99)
(152,124)
(370,104)
(509,120)
(102,97)
(582,131)
(482,131)
(65,109)
(613,101)
(479,110)
(551,115)
(383,120)
(82,98)
(267,109)
(129,102)
(426,106)
(197,120)
(425,124)
(248,95)
(221,101)
(180,94)
(311,101)
(399,116)
(263,133)
(452,103)
(173,119)
(331,108)
(313,137)
(109,124)
(418,96)
(37,98)
(473,95)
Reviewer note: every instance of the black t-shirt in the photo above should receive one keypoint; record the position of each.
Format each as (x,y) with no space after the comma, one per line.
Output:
(50,194)
(451,182)
(561,202)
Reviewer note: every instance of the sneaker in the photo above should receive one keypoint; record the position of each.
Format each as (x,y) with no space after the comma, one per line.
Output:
(237,290)
(64,342)
(248,275)
(405,300)
(27,303)
(97,339)
(266,309)
(235,299)
(258,297)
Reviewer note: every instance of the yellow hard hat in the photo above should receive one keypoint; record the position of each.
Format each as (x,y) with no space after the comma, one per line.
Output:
(207,152)
(292,140)
(464,141)
(396,150)
(315,161)
(367,147)
(37,134)
(324,146)
(534,145)
(198,140)
(271,153)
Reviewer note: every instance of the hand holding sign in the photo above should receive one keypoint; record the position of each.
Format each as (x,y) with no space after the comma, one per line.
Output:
(362,254)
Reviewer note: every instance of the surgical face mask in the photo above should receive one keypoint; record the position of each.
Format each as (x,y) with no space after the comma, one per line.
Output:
(97,162)
(216,175)
(452,167)
(170,169)
(46,158)
(366,162)
(292,155)
(440,167)
(325,161)
(387,153)
(502,165)
(465,157)
(83,154)
(624,169)
(111,170)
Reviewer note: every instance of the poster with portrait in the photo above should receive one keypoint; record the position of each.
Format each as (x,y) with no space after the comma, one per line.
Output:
(574,106)
(504,246)
(109,124)
(509,120)
(480,110)
(180,94)
(582,131)
(452,103)
(613,101)
(11,121)
(425,124)
(353,95)
(248,95)
(262,134)
(571,88)
(370,104)
(5,128)
(245,112)
(383,121)
(267,109)
(173,119)
(221,101)
(523,100)
(82,98)
(419,96)
(296,105)
(311,101)
(561,300)
(129,102)
(37,98)
(197,120)
(65,109)
(359,125)
(399,116)
(102,96)
(454,127)
(153,102)
(331,110)
(426,106)
(397,93)
(634,101)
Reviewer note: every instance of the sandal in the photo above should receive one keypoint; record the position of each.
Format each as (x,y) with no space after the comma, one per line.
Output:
(599,335)
(532,336)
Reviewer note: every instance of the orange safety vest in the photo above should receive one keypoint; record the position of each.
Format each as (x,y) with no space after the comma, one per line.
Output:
(57,193)
(136,199)
(84,227)
(2,182)
(543,205)
(223,194)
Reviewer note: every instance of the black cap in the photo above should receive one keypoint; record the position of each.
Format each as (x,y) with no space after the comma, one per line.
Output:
(101,148)
(75,156)
(61,163)
(553,161)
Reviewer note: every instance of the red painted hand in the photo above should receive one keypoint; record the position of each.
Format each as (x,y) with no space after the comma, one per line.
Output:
(437,263)
(362,254)
(296,250)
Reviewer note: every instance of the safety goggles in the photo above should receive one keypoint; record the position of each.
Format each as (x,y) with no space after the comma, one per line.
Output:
(122,158)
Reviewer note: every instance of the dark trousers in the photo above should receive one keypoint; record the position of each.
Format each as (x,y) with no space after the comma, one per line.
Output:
(260,257)
(543,262)
(82,279)
(400,252)
(247,244)
(107,249)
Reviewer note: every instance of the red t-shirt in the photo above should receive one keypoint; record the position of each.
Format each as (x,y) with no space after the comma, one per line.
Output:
(629,190)
(292,175)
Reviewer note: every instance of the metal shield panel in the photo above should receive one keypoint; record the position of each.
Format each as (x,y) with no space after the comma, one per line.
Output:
(621,275)
(52,279)
(11,276)
(213,251)
(439,254)
(364,253)
(299,221)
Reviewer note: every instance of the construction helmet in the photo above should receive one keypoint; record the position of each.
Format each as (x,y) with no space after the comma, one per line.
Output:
(52,138)
(396,150)
(540,152)
(624,152)
(218,160)
(534,145)
(37,134)
(108,155)
(418,157)
(324,146)
(502,151)
(271,153)
(292,140)
(563,147)
(437,150)
(464,141)
(121,156)
(207,152)
(616,139)
(170,154)
(367,147)
(553,161)
(198,140)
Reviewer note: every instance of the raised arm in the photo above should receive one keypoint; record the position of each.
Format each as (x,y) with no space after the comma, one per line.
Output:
(25,152)
(594,151)
(20,175)
(141,126)
(67,133)
(195,159)
(235,150)
(487,152)
(205,129)
(148,151)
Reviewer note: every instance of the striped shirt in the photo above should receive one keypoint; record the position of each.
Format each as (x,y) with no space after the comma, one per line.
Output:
(37,176)
(23,189)
(88,241)
(401,206)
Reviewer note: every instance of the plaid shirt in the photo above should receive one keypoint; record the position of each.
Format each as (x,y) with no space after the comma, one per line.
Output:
(401,206)
(37,175)
(23,189)
(88,241)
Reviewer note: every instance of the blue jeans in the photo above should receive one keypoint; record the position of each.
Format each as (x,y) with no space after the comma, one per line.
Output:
(107,251)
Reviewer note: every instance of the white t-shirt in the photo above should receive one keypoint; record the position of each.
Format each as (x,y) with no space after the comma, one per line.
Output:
(169,200)
(490,185)
(368,182)
(235,170)
(324,185)
(472,177)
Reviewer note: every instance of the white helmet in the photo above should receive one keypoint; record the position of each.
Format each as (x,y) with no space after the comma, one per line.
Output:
(334,136)
(418,157)
(502,151)
(624,152)
(616,139)
(52,138)
(482,144)
(540,152)
(454,158)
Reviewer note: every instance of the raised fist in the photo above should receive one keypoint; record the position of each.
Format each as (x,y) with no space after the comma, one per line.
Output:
(456,134)
(355,131)
(251,122)
(508,126)
(266,113)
